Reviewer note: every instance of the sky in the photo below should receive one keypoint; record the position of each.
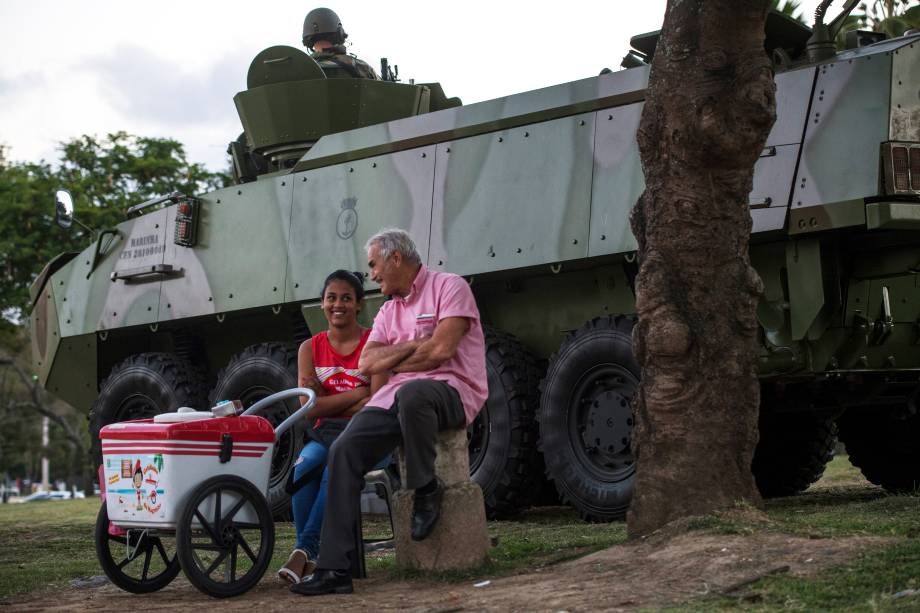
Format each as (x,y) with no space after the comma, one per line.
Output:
(171,68)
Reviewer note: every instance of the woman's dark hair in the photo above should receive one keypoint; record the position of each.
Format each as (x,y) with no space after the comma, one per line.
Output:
(354,279)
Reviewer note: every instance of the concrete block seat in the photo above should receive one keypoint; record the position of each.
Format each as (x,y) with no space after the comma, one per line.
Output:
(460,539)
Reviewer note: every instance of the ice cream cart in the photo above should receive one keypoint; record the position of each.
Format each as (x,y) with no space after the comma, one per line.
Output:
(186,490)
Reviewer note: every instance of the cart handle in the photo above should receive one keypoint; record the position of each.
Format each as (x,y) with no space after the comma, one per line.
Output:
(282,395)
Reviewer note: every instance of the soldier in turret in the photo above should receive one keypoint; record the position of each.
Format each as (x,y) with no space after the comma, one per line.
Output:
(324,36)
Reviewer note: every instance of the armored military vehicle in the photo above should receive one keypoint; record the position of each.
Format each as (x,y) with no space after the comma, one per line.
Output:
(200,297)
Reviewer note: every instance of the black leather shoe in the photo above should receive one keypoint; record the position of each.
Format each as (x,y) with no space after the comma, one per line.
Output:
(425,513)
(325,581)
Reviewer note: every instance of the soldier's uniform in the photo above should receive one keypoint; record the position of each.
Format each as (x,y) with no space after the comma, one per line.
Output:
(323,24)
(336,63)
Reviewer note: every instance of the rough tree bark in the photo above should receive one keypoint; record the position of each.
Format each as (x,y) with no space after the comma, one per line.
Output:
(709,108)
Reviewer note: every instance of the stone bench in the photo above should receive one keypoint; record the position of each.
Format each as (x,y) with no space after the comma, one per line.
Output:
(460,539)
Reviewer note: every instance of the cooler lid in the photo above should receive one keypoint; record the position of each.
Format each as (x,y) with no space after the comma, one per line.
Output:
(183,414)
(243,429)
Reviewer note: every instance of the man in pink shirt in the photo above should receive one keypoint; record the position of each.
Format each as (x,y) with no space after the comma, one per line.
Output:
(428,336)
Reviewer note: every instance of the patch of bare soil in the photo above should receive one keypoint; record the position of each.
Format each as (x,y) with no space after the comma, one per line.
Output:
(657,571)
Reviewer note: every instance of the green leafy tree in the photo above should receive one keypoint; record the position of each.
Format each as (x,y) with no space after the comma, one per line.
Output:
(790,8)
(22,404)
(893,17)
(105,176)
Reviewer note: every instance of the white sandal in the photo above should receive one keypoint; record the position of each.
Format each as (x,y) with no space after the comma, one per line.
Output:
(293,570)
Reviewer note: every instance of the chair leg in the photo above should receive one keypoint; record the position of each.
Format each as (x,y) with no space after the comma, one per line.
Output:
(358,566)
(387,495)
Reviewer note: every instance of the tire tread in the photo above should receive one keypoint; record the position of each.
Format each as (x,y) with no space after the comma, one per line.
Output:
(622,324)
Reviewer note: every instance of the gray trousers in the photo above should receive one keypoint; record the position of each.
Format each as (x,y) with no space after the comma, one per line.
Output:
(423,408)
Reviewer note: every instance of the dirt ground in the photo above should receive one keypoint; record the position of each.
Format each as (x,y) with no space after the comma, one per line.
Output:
(657,571)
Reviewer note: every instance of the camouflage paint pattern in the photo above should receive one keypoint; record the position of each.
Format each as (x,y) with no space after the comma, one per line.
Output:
(905,99)
(222,273)
(769,199)
(548,165)
(528,196)
(337,208)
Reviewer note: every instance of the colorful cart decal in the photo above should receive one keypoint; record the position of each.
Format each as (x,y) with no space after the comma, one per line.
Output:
(135,485)
(138,476)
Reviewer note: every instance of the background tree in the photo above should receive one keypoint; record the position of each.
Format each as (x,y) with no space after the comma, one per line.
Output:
(893,17)
(789,8)
(105,176)
(709,107)
(22,401)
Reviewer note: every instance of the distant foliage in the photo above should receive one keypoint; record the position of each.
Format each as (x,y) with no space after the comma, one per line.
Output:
(20,436)
(105,177)
(893,17)
(789,8)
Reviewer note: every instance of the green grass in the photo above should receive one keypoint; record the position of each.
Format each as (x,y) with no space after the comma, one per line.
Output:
(42,542)
(45,545)
(867,583)
(842,504)
(538,538)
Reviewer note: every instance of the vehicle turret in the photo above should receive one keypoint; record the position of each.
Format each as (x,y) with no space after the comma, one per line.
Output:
(289,104)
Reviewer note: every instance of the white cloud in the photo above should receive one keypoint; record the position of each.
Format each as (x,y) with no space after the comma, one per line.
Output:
(137,83)
(170,69)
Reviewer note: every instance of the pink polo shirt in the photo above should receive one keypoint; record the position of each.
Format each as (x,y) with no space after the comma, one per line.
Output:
(434,296)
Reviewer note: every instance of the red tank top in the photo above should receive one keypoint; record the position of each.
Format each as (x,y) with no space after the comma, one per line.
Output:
(338,373)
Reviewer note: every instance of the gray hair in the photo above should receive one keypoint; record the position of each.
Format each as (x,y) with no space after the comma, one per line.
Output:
(389,240)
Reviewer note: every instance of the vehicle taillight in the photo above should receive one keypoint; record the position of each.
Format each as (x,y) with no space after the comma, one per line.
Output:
(186,223)
(915,168)
(900,168)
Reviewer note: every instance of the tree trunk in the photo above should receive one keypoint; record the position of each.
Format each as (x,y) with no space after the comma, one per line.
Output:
(709,108)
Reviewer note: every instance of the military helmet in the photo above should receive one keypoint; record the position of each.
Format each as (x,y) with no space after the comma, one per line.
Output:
(323,24)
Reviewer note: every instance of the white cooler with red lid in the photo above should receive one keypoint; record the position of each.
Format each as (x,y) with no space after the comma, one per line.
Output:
(152,465)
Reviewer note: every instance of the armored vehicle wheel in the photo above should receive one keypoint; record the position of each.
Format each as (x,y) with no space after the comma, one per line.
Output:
(884,447)
(502,439)
(586,418)
(792,452)
(142,386)
(545,493)
(254,373)
(138,561)
(225,536)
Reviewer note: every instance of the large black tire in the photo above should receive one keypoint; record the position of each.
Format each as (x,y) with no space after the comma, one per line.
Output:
(142,386)
(139,561)
(792,452)
(884,446)
(252,374)
(545,492)
(213,534)
(503,438)
(586,418)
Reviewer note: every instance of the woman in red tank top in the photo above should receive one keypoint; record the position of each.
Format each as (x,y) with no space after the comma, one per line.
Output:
(327,363)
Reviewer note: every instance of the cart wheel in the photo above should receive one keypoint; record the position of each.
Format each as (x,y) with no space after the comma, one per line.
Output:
(140,561)
(225,536)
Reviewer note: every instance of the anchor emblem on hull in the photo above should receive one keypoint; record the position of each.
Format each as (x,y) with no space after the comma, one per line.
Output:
(347,221)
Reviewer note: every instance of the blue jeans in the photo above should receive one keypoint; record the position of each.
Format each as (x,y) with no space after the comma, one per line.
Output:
(309,501)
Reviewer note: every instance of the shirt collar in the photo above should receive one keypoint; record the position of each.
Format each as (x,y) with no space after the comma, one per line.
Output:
(417,283)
